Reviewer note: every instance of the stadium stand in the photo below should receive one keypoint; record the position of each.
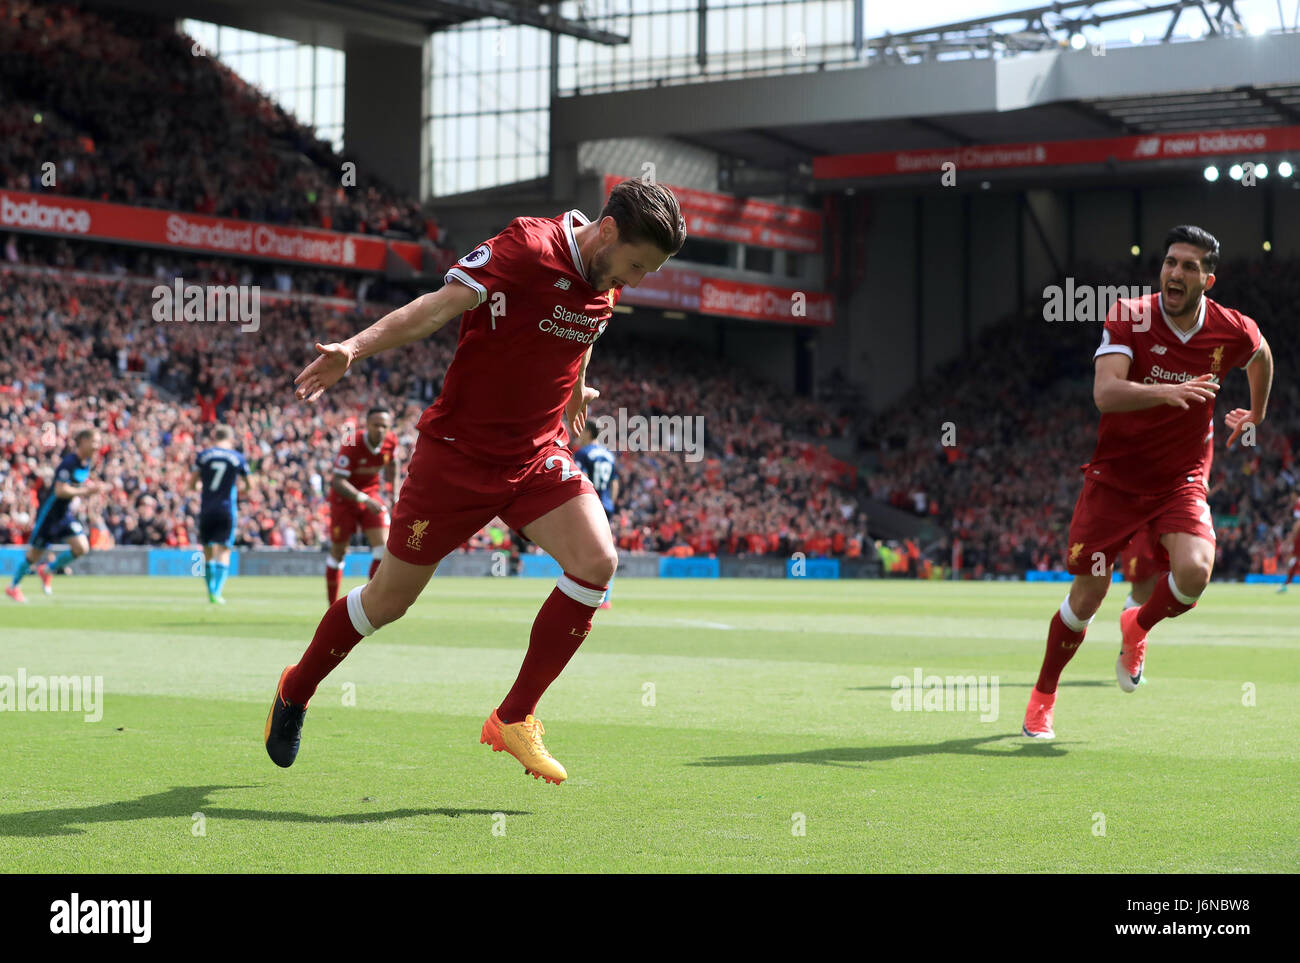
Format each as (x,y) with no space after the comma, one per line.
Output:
(77,314)
(759,488)
(207,142)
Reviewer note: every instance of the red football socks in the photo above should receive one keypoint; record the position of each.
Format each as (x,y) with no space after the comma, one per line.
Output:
(333,576)
(1163,604)
(558,630)
(1062,643)
(374,567)
(334,639)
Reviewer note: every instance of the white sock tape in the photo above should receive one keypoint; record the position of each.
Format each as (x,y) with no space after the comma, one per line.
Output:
(580,593)
(1072,621)
(357,614)
(1185,599)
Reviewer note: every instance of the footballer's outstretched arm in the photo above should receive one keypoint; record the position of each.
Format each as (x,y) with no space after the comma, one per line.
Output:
(1259,372)
(411,322)
(1113,392)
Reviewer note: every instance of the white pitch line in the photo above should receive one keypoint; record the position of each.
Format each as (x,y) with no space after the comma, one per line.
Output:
(700,623)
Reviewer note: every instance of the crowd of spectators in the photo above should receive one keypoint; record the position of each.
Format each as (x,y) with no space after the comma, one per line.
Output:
(84,349)
(136,117)
(986,449)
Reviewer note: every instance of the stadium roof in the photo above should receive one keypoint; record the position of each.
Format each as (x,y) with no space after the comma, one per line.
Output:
(773,127)
(1246,106)
(331,22)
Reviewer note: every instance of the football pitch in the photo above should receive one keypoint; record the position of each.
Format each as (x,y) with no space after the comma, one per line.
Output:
(727,725)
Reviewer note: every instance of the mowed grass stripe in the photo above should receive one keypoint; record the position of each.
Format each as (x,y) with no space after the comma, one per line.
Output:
(748,728)
(685,690)
(421,797)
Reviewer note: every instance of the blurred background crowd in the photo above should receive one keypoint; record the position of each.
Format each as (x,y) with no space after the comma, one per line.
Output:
(980,461)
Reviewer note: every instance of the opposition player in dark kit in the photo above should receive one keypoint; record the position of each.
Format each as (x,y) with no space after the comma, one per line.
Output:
(600,465)
(55,520)
(219,471)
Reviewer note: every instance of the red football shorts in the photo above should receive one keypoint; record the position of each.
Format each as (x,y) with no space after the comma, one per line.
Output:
(347,516)
(1106,518)
(1143,557)
(448,496)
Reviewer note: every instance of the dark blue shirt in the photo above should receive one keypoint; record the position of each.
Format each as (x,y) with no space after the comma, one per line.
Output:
(72,471)
(219,469)
(598,464)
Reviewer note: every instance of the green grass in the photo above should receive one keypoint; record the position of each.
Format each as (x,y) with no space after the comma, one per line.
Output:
(771,699)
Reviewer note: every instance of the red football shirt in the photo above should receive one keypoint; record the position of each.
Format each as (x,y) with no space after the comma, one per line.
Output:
(1158,449)
(520,349)
(360,464)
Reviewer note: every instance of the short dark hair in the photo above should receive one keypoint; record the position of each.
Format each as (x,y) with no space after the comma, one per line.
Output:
(223,433)
(379,410)
(646,212)
(1197,237)
(82,435)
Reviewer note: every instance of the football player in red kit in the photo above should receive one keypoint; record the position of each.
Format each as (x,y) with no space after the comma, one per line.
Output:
(532,301)
(1142,561)
(1294,561)
(356,500)
(1157,372)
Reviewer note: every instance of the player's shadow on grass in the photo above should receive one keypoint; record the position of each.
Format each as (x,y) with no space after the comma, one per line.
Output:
(1080,684)
(182,802)
(853,756)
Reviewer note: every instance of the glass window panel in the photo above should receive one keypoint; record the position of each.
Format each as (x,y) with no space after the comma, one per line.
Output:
(466,134)
(324,103)
(323,66)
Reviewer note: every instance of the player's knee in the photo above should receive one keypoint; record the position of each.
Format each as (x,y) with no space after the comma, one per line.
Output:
(599,568)
(1193,576)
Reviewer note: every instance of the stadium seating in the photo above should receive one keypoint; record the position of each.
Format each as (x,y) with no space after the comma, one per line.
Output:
(158,385)
(207,142)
